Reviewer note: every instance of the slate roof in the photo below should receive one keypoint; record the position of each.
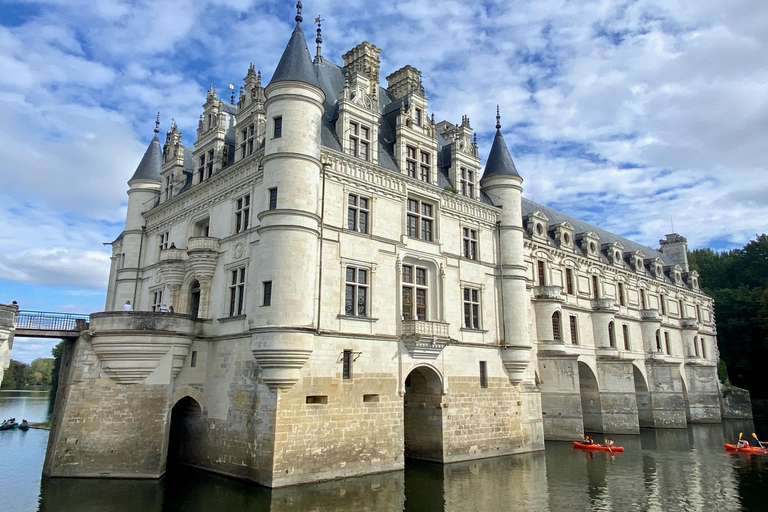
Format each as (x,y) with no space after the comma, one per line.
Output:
(499,160)
(151,164)
(296,64)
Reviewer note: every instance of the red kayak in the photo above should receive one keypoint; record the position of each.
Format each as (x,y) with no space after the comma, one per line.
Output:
(597,447)
(750,449)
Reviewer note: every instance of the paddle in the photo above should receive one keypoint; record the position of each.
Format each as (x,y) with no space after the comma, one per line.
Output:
(758,441)
(608,445)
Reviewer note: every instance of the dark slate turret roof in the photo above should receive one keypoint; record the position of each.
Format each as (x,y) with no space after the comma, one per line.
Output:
(499,160)
(296,64)
(152,164)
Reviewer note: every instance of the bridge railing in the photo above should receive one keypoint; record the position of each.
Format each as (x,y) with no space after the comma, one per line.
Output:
(48,321)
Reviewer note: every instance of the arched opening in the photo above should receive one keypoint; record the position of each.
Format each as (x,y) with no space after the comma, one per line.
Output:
(687,403)
(658,341)
(611,335)
(643,397)
(556,327)
(186,432)
(194,304)
(423,415)
(590,399)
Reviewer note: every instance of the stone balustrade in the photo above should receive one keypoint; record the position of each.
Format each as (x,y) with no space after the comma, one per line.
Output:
(603,305)
(548,293)
(425,339)
(172,255)
(650,315)
(203,243)
(689,323)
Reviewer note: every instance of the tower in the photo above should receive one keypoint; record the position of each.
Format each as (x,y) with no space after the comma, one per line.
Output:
(503,185)
(289,231)
(144,188)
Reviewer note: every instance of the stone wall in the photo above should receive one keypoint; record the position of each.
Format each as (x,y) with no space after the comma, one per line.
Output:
(736,405)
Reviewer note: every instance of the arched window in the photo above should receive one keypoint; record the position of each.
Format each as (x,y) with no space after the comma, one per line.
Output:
(556,326)
(611,335)
(658,341)
(194,306)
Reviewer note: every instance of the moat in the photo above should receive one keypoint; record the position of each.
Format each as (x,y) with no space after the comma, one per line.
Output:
(681,469)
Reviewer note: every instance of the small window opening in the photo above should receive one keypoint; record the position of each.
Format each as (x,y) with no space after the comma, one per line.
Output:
(483,375)
(317,399)
(193,360)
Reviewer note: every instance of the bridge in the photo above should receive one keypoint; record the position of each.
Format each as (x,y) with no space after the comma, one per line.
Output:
(46,324)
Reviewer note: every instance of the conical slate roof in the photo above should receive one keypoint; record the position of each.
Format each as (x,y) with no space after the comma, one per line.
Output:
(499,159)
(296,63)
(151,164)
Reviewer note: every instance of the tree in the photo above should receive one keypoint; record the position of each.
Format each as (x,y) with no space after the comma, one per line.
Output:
(14,377)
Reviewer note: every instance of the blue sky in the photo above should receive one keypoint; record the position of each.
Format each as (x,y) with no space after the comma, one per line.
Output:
(632,115)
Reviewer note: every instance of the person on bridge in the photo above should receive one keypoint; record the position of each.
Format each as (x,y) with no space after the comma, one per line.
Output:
(127,306)
(163,308)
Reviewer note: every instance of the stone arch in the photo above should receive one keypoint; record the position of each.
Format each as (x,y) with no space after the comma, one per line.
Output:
(194,393)
(557,326)
(591,409)
(612,334)
(186,432)
(423,414)
(643,398)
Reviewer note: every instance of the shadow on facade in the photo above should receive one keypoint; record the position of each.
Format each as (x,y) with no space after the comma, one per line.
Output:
(643,396)
(590,399)
(186,433)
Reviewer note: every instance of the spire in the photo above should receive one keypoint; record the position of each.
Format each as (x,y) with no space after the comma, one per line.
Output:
(296,63)
(499,160)
(318,40)
(152,163)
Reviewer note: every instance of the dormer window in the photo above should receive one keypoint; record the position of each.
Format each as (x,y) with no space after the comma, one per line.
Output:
(359,140)
(209,166)
(410,161)
(168,187)
(566,239)
(201,169)
(425,168)
(467,182)
(248,136)
(417,116)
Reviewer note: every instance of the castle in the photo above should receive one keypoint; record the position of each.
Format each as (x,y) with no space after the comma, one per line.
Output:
(349,287)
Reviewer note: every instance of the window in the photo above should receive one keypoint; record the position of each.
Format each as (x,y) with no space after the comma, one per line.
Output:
(467,181)
(574,330)
(470,243)
(358,213)
(168,187)
(359,140)
(595,287)
(483,374)
(346,364)
(157,300)
(201,169)
(414,293)
(163,244)
(248,136)
(698,313)
(696,346)
(662,305)
(622,302)
(471,308)
(278,124)
(681,308)
(237,291)
(193,359)
(569,281)
(267,294)
(541,272)
(410,161)
(425,167)
(611,335)
(417,116)
(625,332)
(642,299)
(209,166)
(420,220)
(273,198)
(703,348)
(556,326)
(658,341)
(356,295)
(666,341)
(242,213)
(202,228)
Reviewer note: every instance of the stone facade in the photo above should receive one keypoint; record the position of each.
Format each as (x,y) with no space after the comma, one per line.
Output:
(347,292)
(7,324)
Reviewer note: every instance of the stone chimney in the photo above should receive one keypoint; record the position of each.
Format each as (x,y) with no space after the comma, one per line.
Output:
(405,81)
(675,247)
(363,59)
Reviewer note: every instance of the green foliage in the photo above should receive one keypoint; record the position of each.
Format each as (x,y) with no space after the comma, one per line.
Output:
(738,281)
(57,352)
(722,373)
(21,376)
(451,189)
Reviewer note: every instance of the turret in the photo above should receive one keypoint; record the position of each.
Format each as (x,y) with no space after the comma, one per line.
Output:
(289,229)
(503,185)
(144,187)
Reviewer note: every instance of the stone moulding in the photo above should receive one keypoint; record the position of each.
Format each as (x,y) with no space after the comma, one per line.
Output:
(131,345)
(424,339)
(203,255)
(650,315)
(281,353)
(689,323)
(603,305)
(516,359)
(548,293)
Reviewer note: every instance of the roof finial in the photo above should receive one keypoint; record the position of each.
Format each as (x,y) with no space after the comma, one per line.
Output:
(498,118)
(318,40)
(298,18)
(157,124)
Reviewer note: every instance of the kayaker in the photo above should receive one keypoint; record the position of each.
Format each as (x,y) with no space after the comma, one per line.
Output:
(587,440)
(610,443)
(743,443)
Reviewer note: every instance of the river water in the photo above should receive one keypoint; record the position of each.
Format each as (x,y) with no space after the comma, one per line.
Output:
(661,470)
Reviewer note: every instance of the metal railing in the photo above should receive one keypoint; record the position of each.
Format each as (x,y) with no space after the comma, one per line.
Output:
(47,321)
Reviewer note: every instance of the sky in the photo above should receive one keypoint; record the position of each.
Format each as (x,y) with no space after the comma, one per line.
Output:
(642,117)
